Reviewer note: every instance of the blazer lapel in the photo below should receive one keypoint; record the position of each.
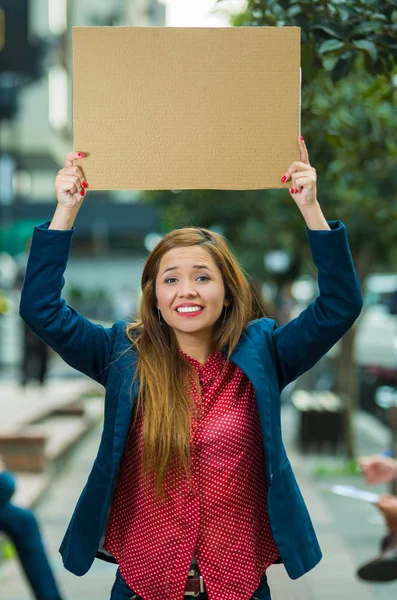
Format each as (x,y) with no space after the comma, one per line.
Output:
(125,405)
(246,356)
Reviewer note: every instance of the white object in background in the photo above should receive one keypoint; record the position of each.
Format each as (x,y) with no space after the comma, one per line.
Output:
(350,491)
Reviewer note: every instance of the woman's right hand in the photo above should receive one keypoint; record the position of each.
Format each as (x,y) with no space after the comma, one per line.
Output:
(70,183)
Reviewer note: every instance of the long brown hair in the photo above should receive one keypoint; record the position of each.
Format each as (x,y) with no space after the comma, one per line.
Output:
(164,395)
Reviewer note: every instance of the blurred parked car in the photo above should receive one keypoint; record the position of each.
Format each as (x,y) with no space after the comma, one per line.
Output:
(375,342)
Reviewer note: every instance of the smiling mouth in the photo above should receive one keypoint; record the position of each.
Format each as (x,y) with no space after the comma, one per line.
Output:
(190,311)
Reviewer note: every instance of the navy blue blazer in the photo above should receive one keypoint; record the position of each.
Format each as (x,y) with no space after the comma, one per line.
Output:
(269,355)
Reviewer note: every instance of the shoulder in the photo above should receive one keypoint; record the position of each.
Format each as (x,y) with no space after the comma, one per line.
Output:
(263,326)
(121,340)
(259,332)
(120,328)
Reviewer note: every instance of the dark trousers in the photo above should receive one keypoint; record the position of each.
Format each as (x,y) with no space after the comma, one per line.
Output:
(35,358)
(21,527)
(121,591)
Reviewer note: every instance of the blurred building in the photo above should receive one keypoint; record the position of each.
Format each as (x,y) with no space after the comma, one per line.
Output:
(36,119)
(36,131)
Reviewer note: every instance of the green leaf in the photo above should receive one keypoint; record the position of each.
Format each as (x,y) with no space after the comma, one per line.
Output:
(329,62)
(369,47)
(380,17)
(294,10)
(335,31)
(367,27)
(344,14)
(330,45)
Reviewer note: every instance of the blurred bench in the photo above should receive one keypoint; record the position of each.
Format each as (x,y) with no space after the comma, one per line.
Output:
(39,424)
(321,420)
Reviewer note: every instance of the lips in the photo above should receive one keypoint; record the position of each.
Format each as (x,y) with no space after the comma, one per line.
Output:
(190,313)
(188,306)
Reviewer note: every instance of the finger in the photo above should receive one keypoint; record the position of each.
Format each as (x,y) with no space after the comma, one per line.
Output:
(302,178)
(301,182)
(69,183)
(303,150)
(387,498)
(71,156)
(76,171)
(295,167)
(69,180)
(68,186)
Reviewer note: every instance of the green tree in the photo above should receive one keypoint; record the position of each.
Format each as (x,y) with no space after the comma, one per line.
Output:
(334,32)
(348,121)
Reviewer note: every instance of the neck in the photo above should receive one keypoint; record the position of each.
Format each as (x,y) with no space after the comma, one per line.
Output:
(197,346)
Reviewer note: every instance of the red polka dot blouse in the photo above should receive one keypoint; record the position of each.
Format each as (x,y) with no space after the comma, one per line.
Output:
(223,521)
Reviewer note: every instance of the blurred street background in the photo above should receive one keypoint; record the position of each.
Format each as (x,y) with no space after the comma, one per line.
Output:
(343,408)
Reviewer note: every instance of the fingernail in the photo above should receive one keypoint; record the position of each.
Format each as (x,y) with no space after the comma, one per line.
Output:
(80,154)
(84,184)
(284,178)
(301,138)
(82,192)
(292,190)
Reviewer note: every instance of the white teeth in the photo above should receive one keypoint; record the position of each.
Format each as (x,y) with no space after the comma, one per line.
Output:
(189,309)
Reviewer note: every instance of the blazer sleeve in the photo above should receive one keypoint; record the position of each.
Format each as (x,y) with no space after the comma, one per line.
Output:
(82,344)
(299,344)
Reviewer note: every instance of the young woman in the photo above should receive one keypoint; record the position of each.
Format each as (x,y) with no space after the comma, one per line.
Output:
(191,492)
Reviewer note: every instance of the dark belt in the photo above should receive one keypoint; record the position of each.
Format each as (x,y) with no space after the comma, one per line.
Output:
(194,583)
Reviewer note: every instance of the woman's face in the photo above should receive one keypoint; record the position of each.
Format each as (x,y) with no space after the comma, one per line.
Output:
(188,278)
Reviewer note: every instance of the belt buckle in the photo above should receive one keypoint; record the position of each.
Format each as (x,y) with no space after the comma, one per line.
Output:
(202,589)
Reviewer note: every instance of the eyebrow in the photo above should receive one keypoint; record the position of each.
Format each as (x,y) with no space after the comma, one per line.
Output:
(194,267)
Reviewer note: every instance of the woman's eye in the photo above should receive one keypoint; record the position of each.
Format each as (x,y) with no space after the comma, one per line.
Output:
(199,277)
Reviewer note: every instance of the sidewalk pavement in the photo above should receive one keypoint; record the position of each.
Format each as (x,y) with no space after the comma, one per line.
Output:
(348,530)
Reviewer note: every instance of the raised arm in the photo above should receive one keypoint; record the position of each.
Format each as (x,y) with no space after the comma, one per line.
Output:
(299,344)
(82,344)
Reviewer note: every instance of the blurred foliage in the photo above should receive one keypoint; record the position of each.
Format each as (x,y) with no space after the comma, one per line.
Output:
(347,469)
(349,124)
(350,128)
(333,32)
(8,551)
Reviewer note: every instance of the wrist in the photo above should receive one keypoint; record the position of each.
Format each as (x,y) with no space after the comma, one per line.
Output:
(314,217)
(64,217)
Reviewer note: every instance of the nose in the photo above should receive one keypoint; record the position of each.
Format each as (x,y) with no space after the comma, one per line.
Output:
(186,289)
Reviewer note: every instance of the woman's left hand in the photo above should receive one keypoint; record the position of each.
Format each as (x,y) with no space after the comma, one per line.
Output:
(303,178)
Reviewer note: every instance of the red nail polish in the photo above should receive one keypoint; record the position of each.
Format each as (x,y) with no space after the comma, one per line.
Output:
(84,184)
(301,138)
(80,154)
(283,179)
(82,192)
(292,191)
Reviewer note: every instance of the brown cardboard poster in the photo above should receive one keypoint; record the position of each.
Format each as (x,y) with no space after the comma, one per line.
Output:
(186,108)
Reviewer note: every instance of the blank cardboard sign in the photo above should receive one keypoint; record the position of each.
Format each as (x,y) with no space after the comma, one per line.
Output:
(186,108)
